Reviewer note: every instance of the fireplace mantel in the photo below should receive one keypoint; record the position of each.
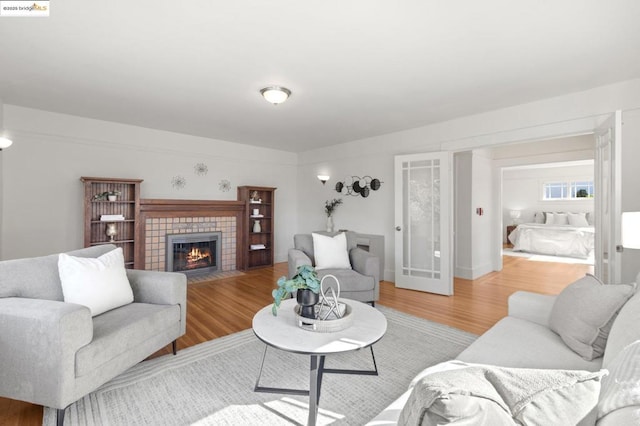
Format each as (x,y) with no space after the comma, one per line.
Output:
(152,208)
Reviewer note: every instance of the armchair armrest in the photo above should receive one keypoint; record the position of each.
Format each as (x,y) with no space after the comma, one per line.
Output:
(39,342)
(160,288)
(365,263)
(296,258)
(532,307)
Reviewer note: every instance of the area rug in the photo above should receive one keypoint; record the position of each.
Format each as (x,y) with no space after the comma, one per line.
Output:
(546,258)
(212,383)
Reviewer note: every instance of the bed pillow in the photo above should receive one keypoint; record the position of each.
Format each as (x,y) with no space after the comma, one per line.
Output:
(331,252)
(578,219)
(538,217)
(484,394)
(100,284)
(560,219)
(549,218)
(583,314)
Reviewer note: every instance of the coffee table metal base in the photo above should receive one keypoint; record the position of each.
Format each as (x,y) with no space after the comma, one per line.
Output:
(316,371)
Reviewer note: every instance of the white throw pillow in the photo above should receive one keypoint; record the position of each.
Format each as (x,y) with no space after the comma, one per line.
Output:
(331,252)
(578,219)
(539,217)
(100,284)
(584,312)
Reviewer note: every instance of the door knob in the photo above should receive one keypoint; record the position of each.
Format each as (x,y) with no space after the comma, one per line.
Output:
(398,228)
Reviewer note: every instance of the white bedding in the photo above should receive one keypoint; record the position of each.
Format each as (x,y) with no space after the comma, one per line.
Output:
(556,240)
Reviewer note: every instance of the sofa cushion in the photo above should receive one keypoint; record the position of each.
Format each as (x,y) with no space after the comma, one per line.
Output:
(514,342)
(504,396)
(621,388)
(331,252)
(625,329)
(584,311)
(348,278)
(622,417)
(131,323)
(101,284)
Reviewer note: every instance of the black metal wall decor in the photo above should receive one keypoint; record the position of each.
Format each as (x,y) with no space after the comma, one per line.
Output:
(356,185)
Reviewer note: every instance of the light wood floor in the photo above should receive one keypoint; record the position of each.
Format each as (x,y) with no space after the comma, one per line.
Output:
(226,306)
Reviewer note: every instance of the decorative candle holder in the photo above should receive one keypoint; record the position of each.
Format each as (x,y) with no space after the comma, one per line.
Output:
(111,231)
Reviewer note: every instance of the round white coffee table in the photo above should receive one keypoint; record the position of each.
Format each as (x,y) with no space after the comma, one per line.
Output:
(282,332)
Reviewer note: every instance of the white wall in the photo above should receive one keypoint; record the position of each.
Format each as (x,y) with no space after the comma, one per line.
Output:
(42,211)
(371,215)
(463,202)
(482,197)
(630,185)
(522,190)
(473,178)
(1,174)
(573,114)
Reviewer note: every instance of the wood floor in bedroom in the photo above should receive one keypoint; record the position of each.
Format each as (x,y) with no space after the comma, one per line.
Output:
(227,305)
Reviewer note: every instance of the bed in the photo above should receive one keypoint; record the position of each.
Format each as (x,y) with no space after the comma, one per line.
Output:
(556,240)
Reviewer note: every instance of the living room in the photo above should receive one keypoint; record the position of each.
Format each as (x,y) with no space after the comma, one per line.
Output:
(112,125)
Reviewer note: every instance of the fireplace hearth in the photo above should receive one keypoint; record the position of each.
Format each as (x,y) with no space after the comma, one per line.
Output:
(194,253)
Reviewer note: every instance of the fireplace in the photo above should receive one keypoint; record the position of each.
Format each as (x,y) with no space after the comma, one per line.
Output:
(194,253)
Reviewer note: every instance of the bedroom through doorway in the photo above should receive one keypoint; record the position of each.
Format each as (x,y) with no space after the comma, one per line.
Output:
(548,200)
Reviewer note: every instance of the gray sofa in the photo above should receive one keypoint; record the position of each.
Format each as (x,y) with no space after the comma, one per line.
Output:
(523,339)
(52,353)
(361,283)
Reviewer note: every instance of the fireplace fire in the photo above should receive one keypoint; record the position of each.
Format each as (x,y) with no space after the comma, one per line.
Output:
(194,253)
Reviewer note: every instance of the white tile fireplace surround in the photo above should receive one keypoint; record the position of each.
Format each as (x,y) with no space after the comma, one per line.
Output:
(156,230)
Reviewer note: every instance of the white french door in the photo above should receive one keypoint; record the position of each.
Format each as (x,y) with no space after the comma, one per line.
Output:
(607,203)
(423,206)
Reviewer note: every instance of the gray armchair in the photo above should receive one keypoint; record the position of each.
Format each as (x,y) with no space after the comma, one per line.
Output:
(361,283)
(53,353)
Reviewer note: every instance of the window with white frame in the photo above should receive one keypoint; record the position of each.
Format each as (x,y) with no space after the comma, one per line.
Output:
(568,190)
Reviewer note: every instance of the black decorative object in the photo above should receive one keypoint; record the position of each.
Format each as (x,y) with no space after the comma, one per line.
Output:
(356,185)
(307,300)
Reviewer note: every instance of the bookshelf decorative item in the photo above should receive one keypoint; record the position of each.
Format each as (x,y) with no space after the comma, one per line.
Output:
(113,222)
(257,240)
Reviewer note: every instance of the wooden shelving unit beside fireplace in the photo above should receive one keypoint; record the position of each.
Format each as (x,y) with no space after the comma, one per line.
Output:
(126,204)
(258,244)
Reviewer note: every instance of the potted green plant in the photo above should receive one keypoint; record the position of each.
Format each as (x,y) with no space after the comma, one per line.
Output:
(307,285)
(107,195)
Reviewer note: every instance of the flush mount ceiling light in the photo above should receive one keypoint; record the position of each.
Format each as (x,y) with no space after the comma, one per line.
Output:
(275,94)
(5,143)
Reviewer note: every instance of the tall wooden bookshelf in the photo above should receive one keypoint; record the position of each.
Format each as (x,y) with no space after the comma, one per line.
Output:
(127,204)
(258,245)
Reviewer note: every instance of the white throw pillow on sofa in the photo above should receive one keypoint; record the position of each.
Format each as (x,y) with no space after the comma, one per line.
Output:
(584,311)
(100,284)
(331,252)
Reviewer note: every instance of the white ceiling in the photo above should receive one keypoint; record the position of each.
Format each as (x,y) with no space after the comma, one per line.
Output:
(356,68)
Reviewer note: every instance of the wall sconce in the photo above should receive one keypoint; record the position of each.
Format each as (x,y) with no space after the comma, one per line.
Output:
(5,143)
(323,178)
(356,185)
(631,230)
